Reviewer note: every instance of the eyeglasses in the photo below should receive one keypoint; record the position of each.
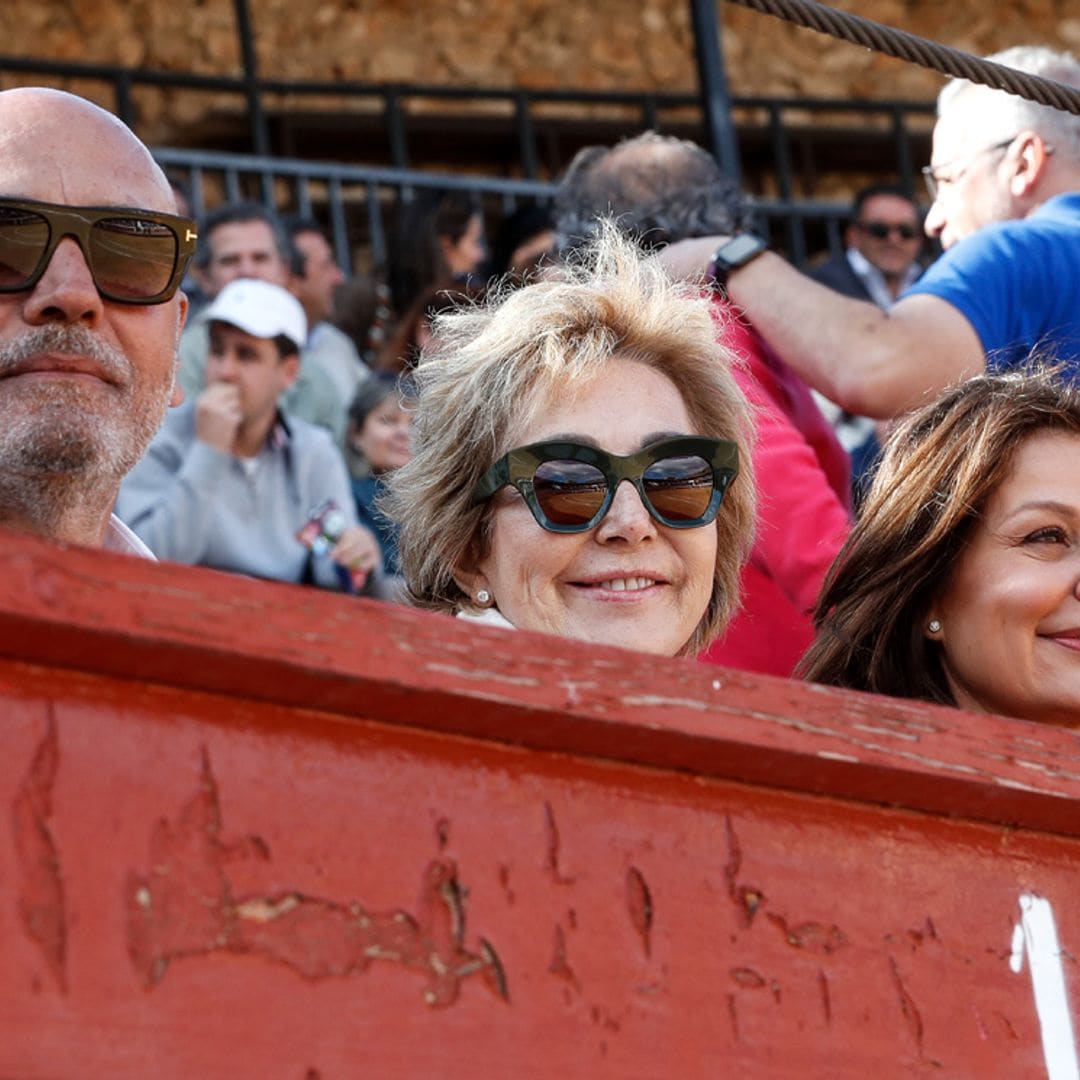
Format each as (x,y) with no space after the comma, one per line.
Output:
(569,487)
(880,230)
(936,179)
(134,256)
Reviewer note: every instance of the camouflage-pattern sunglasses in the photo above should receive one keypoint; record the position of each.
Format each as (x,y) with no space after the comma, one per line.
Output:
(134,256)
(569,486)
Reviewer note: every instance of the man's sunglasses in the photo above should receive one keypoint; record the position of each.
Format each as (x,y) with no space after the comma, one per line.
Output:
(569,487)
(134,256)
(880,230)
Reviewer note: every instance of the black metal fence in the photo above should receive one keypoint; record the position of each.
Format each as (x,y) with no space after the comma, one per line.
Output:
(359,203)
(508,144)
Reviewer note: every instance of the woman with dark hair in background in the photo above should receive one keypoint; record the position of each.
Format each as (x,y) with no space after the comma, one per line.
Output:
(441,240)
(379,440)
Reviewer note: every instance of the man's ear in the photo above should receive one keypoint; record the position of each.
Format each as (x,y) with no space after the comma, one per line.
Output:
(1032,159)
(851,232)
(182,308)
(290,369)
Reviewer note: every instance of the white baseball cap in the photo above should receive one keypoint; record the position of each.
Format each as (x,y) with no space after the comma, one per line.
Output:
(260,309)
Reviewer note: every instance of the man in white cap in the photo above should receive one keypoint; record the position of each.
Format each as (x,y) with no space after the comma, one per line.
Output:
(231,479)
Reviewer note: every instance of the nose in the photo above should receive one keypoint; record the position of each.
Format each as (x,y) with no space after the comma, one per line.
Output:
(935,219)
(221,367)
(627,520)
(65,292)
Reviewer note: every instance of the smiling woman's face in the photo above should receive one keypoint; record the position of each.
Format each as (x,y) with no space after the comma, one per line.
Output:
(629,581)
(1010,614)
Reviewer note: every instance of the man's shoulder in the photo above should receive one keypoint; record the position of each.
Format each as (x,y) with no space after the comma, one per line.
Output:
(836,272)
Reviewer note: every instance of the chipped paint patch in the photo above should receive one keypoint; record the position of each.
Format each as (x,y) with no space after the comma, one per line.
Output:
(185,907)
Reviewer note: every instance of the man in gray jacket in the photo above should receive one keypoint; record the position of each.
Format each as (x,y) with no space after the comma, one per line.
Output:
(231,479)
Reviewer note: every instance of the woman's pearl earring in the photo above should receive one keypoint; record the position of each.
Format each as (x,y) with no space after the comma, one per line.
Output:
(934,626)
(483,597)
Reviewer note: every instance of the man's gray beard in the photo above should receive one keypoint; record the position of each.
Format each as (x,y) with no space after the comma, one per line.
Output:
(52,430)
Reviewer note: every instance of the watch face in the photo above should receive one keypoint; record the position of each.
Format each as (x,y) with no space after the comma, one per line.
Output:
(740,249)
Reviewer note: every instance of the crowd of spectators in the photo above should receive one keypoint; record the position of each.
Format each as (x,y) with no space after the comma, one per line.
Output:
(302,386)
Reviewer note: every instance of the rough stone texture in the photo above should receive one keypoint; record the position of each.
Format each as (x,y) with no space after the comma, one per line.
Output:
(606,44)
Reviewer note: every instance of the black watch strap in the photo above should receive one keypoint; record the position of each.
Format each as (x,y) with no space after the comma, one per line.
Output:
(730,255)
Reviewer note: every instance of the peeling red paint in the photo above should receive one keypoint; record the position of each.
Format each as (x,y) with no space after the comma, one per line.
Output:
(41,885)
(185,906)
(812,936)
(912,1016)
(640,906)
(551,830)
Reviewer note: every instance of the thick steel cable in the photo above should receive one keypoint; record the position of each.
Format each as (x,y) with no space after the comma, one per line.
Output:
(917,50)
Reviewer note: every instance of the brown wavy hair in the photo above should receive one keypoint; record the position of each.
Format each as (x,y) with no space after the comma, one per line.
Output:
(939,469)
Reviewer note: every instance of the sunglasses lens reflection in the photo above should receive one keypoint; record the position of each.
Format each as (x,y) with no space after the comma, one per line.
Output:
(569,492)
(132,258)
(681,488)
(24,236)
(572,493)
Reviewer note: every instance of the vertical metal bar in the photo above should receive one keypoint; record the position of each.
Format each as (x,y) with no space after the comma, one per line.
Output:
(526,135)
(269,195)
(232,185)
(198,193)
(303,196)
(260,138)
(395,129)
(338,225)
(650,119)
(375,227)
(715,102)
(125,108)
(904,165)
(793,226)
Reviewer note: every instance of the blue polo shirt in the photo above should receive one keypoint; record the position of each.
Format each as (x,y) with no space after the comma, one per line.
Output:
(1017,283)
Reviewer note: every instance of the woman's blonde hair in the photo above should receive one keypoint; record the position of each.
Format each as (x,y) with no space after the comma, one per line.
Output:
(939,470)
(492,368)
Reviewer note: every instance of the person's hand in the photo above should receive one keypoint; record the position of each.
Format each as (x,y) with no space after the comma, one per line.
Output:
(218,416)
(358,551)
(687,260)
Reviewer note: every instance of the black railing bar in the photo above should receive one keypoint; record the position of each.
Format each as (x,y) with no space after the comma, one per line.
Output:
(232,185)
(303,196)
(360,174)
(904,164)
(339,227)
(375,226)
(189,80)
(267,186)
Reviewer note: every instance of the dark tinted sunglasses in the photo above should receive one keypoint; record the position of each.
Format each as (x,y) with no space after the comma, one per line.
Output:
(880,230)
(569,487)
(134,256)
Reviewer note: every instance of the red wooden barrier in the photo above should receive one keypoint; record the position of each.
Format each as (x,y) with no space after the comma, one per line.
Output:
(262,831)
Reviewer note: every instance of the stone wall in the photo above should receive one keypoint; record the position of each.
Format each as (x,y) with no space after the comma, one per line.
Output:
(604,44)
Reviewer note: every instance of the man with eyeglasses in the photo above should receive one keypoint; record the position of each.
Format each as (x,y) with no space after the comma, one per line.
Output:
(1005,179)
(91,256)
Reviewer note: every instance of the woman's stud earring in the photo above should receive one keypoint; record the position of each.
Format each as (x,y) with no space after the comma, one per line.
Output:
(934,626)
(483,597)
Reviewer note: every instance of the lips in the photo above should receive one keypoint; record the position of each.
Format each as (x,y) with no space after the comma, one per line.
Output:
(629,583)
(59,364)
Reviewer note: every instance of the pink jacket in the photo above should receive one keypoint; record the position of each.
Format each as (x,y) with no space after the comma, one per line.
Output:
(803,509)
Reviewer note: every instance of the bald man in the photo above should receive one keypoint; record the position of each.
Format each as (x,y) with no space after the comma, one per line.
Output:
(91,256)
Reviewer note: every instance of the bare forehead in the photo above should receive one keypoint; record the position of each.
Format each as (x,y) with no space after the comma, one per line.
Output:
(891,207)
(61,148)
(253,234)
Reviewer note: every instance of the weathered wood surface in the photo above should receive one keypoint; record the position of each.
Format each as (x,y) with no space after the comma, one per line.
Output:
(261,831)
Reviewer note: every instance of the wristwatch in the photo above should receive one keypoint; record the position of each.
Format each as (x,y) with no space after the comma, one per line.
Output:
(729,256)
